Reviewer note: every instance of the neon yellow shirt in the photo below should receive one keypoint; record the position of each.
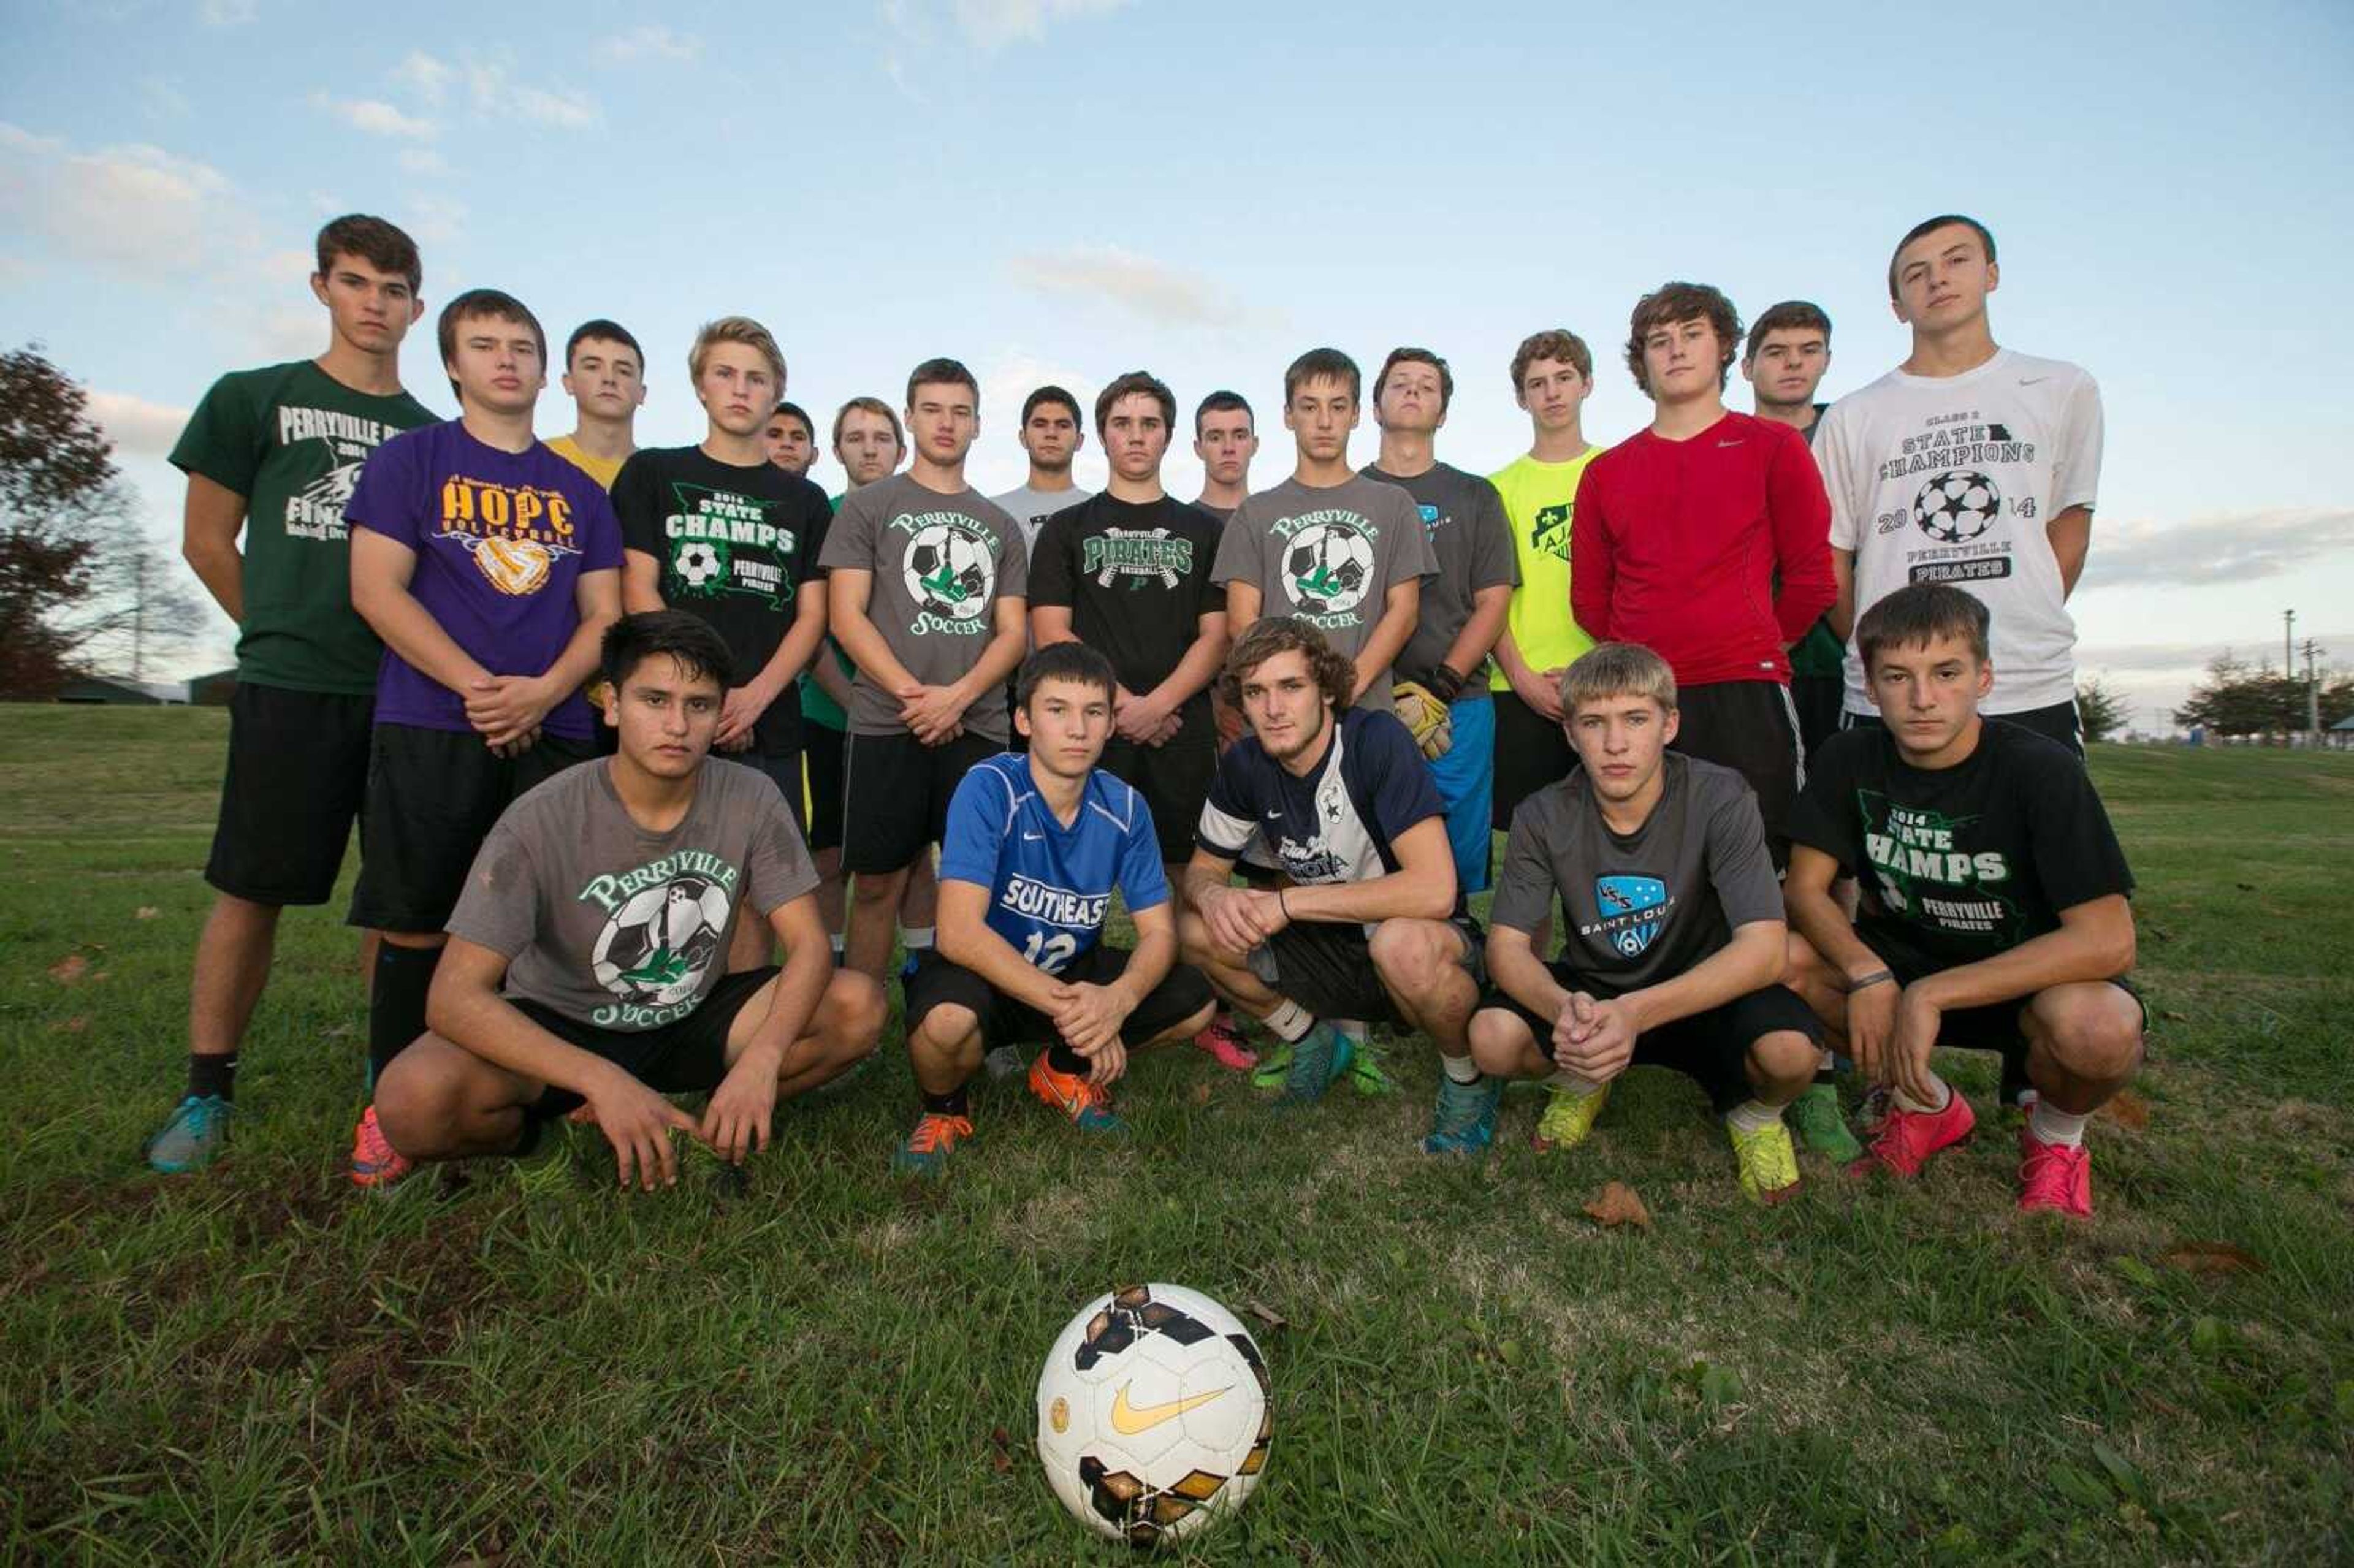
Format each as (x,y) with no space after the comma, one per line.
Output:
(1540,498)
(601,470)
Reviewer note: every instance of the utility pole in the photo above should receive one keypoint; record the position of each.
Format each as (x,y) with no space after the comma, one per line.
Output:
(2312,692)
(2288,643)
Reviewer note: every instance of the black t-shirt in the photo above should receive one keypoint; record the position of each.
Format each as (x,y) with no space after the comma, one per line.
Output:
(1966,862)
(735,546)
(1137,582)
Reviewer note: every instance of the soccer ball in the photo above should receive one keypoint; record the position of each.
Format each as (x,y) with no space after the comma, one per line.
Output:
(658,945)
(948,572)
(1956,508)
(1153,1418)
(1328,568)
(698,564)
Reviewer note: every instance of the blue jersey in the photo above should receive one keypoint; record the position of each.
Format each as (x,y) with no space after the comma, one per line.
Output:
(1049,885)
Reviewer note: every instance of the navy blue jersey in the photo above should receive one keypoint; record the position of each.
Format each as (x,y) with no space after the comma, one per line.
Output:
(1049,885)
(1337,824)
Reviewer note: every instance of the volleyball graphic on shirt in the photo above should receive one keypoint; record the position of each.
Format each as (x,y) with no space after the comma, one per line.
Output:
(656,948)
(515,566)
(1327,569)
(949,571)
(1957,506)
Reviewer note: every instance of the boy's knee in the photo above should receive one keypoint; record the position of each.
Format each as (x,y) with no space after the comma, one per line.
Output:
(1412,954)
(2097,1035)
(1500,1042)
(1783,1059)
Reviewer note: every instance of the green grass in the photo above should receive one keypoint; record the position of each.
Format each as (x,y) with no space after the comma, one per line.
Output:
(257,1366)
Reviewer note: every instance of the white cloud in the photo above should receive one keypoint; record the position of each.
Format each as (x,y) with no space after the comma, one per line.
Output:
(422,161)
(436,220)
(1138,284)
(993,24)
(2237,546)
(997,463)
(376,117)
(135,206)
(423,75)
(136,426)
(496,93)
(651,40)
(227,12)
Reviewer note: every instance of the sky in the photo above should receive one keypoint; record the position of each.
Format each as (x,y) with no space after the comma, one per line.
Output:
(1063,190)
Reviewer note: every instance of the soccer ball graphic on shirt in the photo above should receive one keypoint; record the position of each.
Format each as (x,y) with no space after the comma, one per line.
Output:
(700,564)
(656,947)
(949,571)
(1957,506)
(1153,1416)
(1328,568)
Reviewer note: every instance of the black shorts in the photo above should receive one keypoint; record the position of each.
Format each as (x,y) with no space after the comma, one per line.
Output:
(1174,779)
(1817,699)
(782,769)
(2058,722)
(433,796)
(298,771)
(1327,967)
(689,1057)
(937,982)
(902,788)
(1993,1027)
(1751,727)
(1531,753)
(821,761)
(1711,1048)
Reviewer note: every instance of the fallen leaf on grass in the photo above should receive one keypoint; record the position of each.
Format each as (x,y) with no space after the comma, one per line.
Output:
(1616,1204)
(73,1025)
(69,968)
(2211,1257)
(2171,1016)
(1002,1441)
(2126,1108)
(1201,1093)
(1264,1314)
(145,912)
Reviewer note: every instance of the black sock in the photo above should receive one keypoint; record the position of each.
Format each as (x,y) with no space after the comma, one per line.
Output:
(212,1076)
(1062,1059)
(954,1103)
(396,1004)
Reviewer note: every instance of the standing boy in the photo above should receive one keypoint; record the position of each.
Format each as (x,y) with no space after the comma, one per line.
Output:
(1051,434)
(1226,442)
(1787,355)
(605,374)
(789,439)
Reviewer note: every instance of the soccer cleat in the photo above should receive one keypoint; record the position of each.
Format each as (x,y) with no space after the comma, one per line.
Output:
(376,1164)
(2054,1177)
(1088,1105)
(1274,1066)
(1769,1164)
(1226,1046)
(1317,1061)
(195,1135)
(1365,1074)
(1816,1114)
(1906,1137)
(927,1150)
(1466,1122)
(1567,1119)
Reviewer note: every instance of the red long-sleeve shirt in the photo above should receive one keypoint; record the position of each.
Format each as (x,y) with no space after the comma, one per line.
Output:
(1680,545)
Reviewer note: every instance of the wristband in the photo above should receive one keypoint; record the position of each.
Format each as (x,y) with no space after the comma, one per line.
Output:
(1444,683)
(1875,978)
(1279,904)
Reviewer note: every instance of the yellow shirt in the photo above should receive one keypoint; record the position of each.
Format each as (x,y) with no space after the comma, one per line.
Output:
(1540,498)
(601,470)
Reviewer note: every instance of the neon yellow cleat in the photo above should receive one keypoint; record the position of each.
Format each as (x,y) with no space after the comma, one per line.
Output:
(1567,1119)
(1769,1163)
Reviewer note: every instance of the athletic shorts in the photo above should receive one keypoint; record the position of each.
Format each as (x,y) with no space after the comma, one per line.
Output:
(297,772)
(1327,967)
(1993,1027)
(1711,1048)
(1751,727)
(821,761)
(433,796)
(784,771)
(937,982)
(688,1056)
(2058,722)
(1531,753)
(1465,774)
(1818,699)
(902,788)
(1174,779)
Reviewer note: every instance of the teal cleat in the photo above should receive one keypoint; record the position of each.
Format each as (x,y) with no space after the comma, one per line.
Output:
(1317,1061)
(195,1135)
(1465,1123)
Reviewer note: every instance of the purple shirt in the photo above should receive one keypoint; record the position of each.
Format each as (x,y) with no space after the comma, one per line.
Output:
(501,541)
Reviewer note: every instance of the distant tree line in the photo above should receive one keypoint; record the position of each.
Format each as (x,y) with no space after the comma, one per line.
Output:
(2240,698)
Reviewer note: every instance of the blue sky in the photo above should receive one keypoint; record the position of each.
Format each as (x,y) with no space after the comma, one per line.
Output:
(1065,189)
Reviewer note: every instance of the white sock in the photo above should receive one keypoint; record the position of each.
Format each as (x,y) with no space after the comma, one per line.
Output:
(917,937)
(1753,1115)
(1565,1082)
(1290,1022)
(1937,1084)
(2049,1124)
(1462,1069)
(1826,1060)
(837,946)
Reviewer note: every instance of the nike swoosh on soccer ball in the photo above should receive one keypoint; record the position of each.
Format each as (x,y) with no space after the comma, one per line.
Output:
(1127,1420)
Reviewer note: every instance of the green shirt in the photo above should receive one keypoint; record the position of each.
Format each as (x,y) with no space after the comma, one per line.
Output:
(291,439)
(816,707)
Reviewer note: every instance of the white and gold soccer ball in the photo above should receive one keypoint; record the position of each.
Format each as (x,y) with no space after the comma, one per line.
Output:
(1153,1416)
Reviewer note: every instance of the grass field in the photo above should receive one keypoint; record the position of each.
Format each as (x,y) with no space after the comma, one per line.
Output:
(259,1365)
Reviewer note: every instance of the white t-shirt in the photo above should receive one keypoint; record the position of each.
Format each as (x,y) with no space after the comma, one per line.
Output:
(1030,508)
(1953,479)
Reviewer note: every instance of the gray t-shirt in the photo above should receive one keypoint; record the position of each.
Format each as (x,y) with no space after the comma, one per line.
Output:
(1646,906)
(1223,514)
(604,922)
(1463,517)
(1030,508)
(1329,555)
(940,565)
